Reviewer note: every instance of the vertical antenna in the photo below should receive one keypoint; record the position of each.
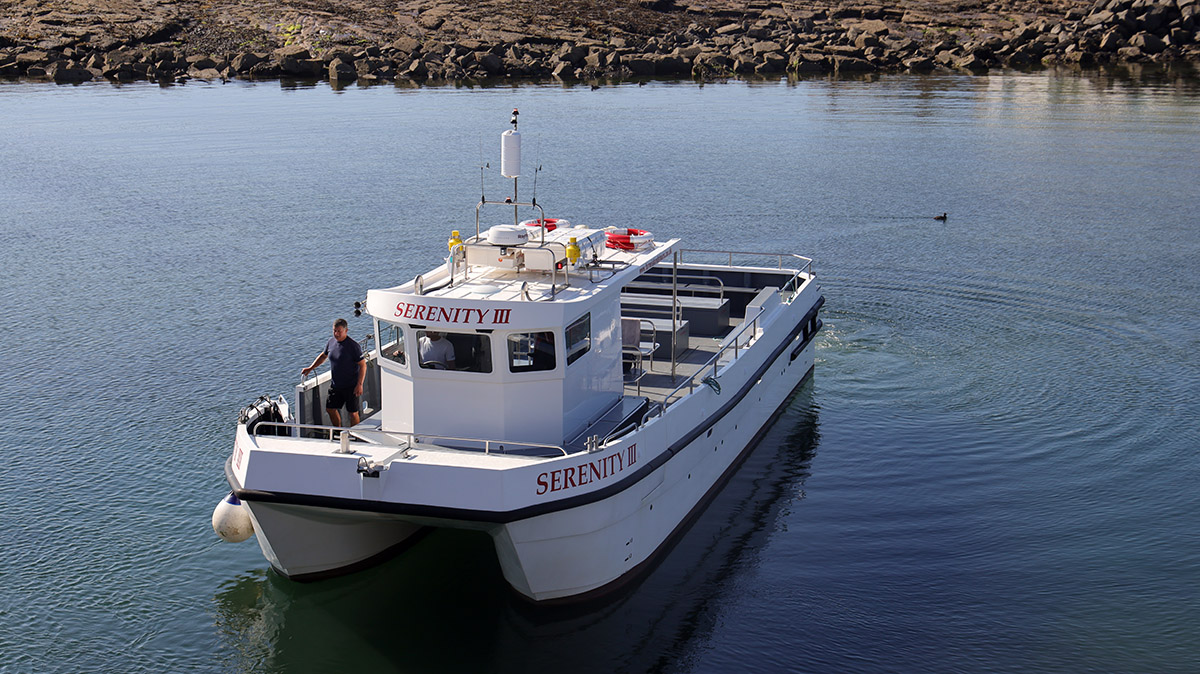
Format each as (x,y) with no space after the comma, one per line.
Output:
(510,159)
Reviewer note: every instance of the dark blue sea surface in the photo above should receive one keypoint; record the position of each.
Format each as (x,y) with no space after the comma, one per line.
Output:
(993,468)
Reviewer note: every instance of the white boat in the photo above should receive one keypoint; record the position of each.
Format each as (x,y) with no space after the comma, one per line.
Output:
(605,384)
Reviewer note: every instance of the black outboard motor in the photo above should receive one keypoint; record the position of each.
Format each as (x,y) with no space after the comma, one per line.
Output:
(266,409)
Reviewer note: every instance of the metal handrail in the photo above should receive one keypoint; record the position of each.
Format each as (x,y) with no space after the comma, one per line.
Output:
(637,354)
(733,340)
(299,426)
(411,438)
(807,267)
(698,277)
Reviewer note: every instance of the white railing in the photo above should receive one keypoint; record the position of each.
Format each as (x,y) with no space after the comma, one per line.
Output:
(409,439)
(735,341)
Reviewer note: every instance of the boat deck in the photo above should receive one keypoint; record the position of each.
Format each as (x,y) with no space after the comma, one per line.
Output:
(655,379)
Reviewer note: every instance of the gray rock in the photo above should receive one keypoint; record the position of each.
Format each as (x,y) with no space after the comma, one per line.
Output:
(63,73)
(874,27)
(242,63)
(671,65)
(200,62)
(1112,41)
(765,47)
(771,64)
(416,70)
(866,40)
(405,45)
(919,64)
(489,62)
(564,71)
(641,67)
(810,63)
(32,57)
(295,51)
(342,71)
(303,68)
(851,64)
(1147,43)
(205,73)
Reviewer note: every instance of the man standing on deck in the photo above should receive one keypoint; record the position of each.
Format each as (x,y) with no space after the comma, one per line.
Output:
(348,367)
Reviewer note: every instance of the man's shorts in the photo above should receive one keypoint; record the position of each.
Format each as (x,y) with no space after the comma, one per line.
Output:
(339,398)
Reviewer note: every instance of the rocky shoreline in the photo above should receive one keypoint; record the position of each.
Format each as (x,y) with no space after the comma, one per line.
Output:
(71,41)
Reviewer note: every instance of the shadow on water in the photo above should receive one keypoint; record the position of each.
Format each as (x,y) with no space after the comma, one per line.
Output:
(444,605)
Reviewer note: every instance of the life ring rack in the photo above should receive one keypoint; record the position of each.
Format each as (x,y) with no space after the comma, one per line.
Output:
(550,223)
(628,239)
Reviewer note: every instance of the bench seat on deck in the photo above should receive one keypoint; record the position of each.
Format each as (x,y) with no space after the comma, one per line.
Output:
(661,335)
(705,315)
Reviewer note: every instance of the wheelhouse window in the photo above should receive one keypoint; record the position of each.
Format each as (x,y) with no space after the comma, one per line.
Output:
(531,352)
(462,351)
(391,342)
(579,338)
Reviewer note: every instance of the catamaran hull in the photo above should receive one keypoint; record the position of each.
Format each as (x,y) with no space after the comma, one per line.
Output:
(573,551)
(309,543)
(590,549)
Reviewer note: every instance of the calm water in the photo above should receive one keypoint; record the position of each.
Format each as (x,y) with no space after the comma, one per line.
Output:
(993,468)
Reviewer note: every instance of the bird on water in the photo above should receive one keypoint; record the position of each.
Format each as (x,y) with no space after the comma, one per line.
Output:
(941,217)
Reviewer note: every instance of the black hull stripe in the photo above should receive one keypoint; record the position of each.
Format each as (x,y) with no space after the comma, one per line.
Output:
(506,516)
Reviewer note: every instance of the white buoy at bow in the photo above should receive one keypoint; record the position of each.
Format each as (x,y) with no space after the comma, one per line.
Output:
(231,520)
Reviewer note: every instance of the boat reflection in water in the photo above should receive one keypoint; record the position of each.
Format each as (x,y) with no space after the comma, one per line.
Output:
(442,606)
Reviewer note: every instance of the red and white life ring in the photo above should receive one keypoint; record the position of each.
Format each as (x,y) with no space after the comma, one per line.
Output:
(629,239)
(551,223)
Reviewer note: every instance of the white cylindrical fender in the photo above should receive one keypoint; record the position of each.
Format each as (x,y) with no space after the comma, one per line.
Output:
(510,153)
(231,520)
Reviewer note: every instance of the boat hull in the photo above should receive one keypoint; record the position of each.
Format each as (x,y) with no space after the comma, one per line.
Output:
(591,549)
(310,543)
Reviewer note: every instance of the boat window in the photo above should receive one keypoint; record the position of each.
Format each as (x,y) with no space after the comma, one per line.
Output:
(579,338)
(531,351)
(462,351)
(391,342)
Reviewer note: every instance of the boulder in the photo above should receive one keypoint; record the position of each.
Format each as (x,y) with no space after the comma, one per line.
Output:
(294,51)
(771,64)
(564,71)
(851,64)
(200,62)
(810,63)
(204,73)
(63,73)
(405,45)
(640,66)
(1112,41)
(873,27)
(302,68)
(919,64)
(765,47)
(971,62)
(671,65)
(1147,43)
(416,69)
(490,62)
(31,57)
(242,63)
(342,71)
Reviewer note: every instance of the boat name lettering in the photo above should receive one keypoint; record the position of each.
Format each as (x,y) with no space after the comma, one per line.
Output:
(585,474)
(432,313)
(657,258)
